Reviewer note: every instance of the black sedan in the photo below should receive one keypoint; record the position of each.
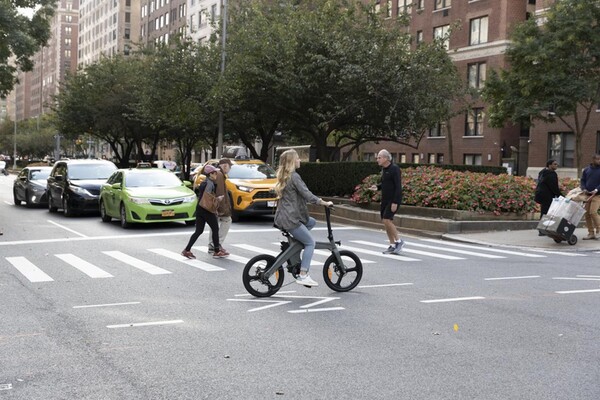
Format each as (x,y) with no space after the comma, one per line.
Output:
(30,186)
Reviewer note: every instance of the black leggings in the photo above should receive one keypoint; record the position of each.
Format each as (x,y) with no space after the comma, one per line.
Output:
(204,217)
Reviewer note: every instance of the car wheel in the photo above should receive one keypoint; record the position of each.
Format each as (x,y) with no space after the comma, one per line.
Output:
(51,207)
(15,198)
(124,223)
(105,217)
(28,201)
(67,211)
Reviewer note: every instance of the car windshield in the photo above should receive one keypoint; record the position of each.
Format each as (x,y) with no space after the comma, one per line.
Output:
(91,171)
(39,174)
(151,179)
(251,171)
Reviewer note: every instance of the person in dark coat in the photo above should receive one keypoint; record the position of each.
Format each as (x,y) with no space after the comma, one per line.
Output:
(547,187)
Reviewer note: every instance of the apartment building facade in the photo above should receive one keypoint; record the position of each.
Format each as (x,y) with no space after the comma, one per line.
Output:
(107,28)
(32,97)
(162,20)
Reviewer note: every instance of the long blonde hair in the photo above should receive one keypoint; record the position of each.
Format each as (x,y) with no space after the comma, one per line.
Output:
(287,165)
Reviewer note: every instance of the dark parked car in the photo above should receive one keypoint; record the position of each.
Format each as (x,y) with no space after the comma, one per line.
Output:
(30,186)
(74,185)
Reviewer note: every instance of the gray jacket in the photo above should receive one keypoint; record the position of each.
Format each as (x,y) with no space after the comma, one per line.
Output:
(291,207)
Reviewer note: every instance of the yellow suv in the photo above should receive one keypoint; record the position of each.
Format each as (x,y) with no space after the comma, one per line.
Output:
(251,187)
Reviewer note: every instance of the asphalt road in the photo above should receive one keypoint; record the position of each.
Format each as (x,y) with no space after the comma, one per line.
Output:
(92,311)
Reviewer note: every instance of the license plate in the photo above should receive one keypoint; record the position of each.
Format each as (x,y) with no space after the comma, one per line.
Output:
(271,204)
(168,213)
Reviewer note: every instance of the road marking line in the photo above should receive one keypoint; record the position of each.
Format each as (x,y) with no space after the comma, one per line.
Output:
(68,229)
(248,294)
(316,310)
(29,270)
(454,299)
(576,279)
(379,254)
(134,262)
(587,276)
(193,263)
(511,277)
(562,253)
(9,203)
(467,252)
(466,246)
(275,303)
(146,235)
(108,304)
(260,250)
(578,291)
(405,250)
(316,303)
(132,325)
(385,285)
(89,269)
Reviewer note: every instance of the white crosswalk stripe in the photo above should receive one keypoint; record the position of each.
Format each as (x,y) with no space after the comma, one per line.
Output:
(29,270)
(89,269)
(412,244)
(410,251)
(193,263)
(379,254)
(136,263)
(494,250)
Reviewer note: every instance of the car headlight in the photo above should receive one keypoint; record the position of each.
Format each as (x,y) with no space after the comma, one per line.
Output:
(244,188)
(139,200)
(79,190)
(189,199)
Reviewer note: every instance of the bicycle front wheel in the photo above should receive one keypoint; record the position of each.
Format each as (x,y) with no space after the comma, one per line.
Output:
(343,280)
(255,280)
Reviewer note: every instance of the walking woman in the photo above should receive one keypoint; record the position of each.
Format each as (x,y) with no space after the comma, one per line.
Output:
(292,212)
(547,187)
(204,216)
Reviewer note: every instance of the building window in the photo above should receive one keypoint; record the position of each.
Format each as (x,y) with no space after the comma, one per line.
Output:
(402,158)
(419,37)
(127,3)
(474,123)
(369,156)
(127,33)
(127,17)
(561,147)
(439,4)
(67,53)
(476,75)
(437,130)
(67,30)
(441,33)
(67,41)
(68,18)
(416,158)
(213,13)
(388,9)
(435,158)
(479,31)
(405,7)
(472,159)
(420,4)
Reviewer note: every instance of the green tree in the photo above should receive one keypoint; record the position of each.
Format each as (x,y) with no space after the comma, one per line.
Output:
(20,37)
(554,70)
(177,95)
(100,101)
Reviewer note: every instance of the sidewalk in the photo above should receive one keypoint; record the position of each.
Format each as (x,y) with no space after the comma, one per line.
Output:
(526,238)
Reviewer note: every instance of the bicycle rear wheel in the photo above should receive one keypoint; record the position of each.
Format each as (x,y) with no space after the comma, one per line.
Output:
(340,281)
(255,281)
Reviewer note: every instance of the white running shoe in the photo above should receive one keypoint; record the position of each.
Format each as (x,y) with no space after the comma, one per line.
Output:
(398,247)
(306,280)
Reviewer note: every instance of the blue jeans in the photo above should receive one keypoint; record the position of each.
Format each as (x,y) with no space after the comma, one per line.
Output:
(302,234)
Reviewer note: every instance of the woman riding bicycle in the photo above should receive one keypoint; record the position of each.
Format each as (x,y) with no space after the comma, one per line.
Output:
(292,212)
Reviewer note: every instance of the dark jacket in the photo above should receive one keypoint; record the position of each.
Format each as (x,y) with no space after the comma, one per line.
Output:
(590,178)
(547,187)
(391,185)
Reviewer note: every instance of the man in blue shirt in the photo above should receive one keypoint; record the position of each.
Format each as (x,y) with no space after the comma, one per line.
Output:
(590,184)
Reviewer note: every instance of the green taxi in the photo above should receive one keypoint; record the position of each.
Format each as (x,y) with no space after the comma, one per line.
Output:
(147,195)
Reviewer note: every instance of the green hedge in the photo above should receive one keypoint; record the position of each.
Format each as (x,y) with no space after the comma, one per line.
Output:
(340,178)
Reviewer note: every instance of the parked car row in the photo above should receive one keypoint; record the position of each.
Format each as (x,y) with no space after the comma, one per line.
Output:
(140,195)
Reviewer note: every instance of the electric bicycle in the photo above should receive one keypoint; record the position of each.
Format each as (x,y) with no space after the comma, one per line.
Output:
(263,275)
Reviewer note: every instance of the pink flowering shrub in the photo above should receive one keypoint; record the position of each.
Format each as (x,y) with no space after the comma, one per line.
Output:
(429,186)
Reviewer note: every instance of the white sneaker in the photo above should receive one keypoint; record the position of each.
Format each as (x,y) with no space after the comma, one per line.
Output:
(398,247)
(306,280)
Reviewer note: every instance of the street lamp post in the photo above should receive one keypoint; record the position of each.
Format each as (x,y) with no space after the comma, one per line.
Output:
(15,141)
(223,41)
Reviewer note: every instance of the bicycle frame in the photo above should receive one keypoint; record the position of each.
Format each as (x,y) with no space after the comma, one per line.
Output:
(291,252)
